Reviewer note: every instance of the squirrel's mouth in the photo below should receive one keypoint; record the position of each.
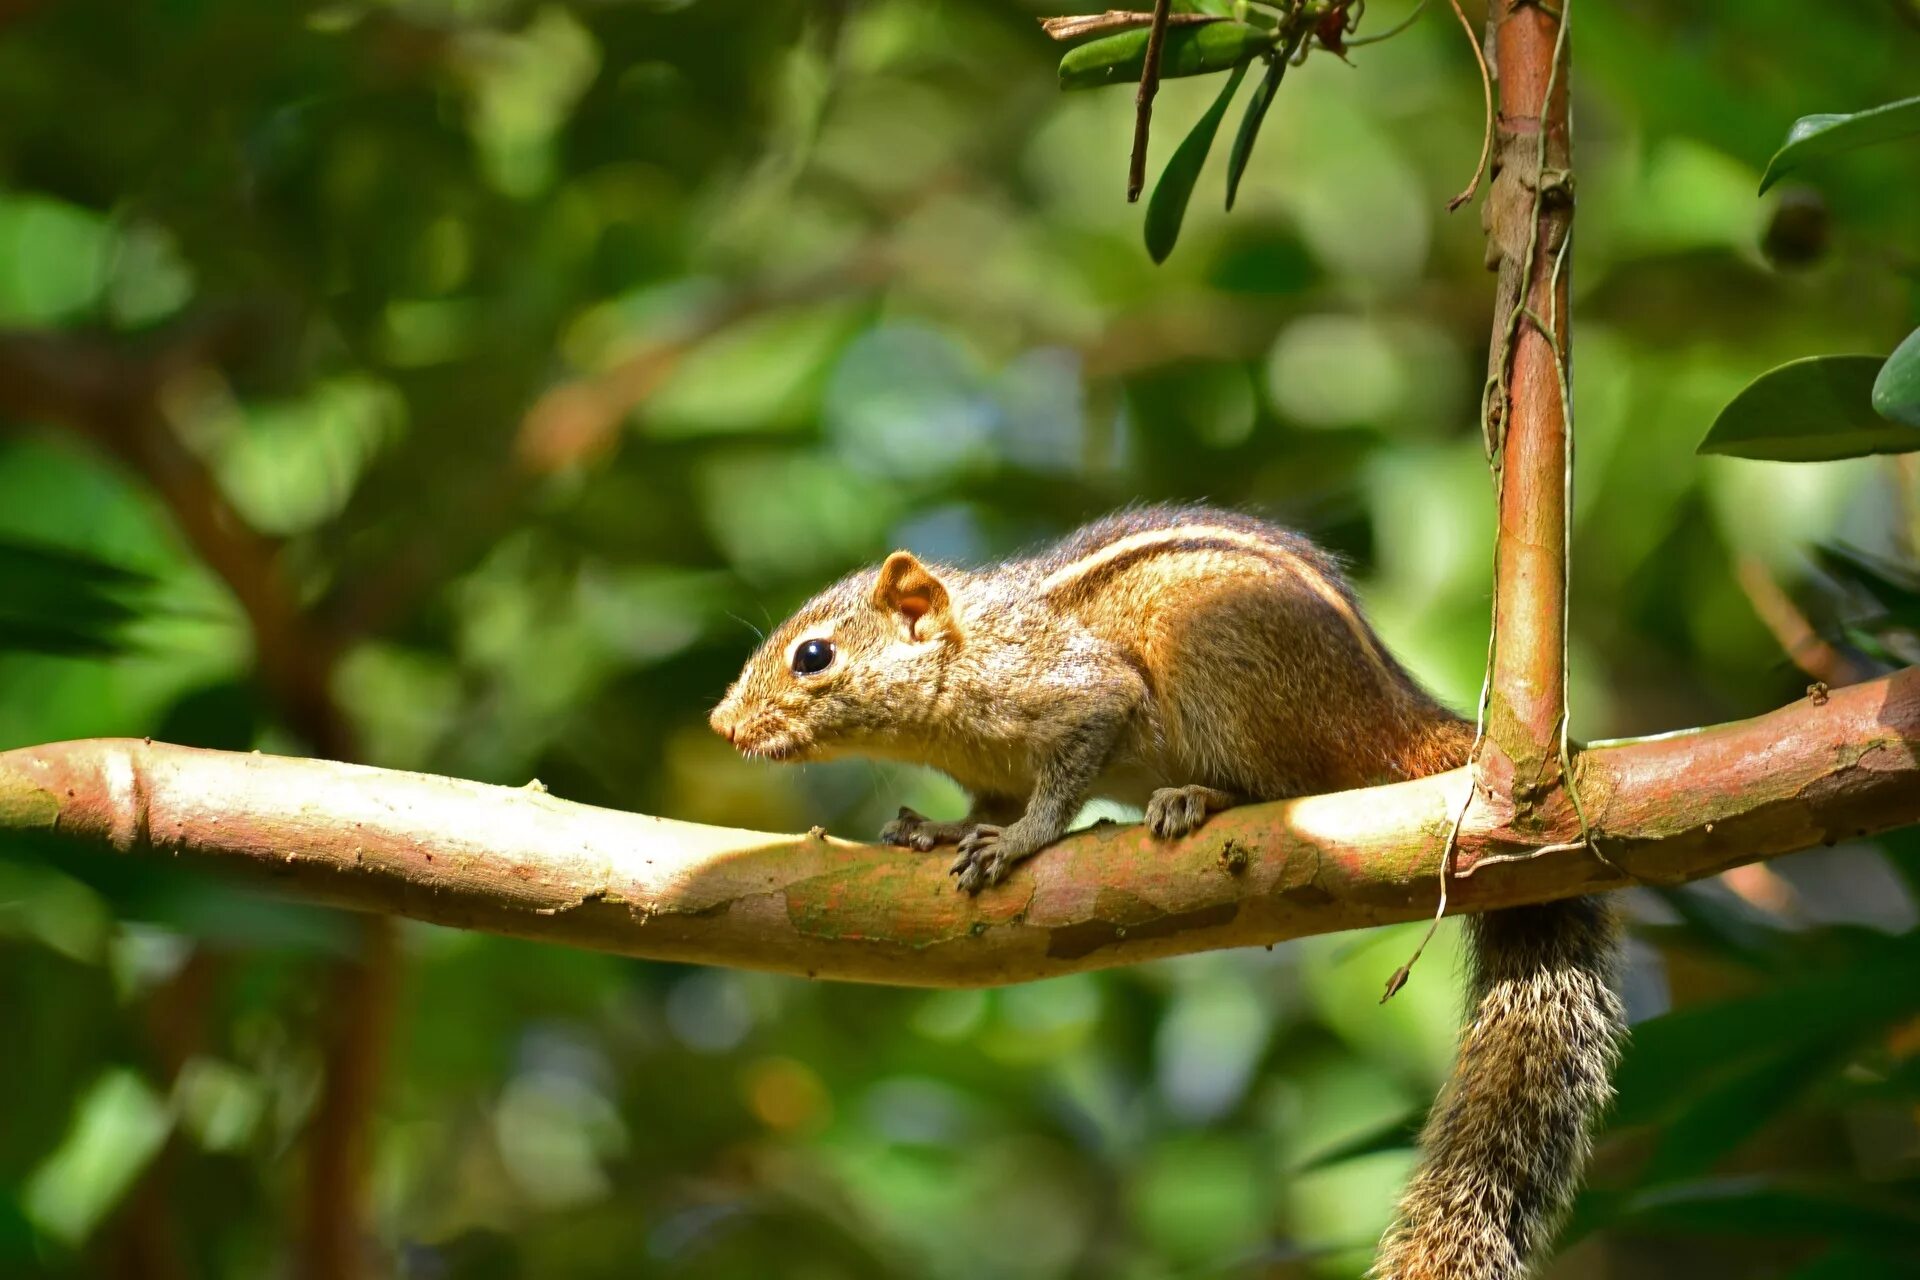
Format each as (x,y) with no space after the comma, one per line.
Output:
(759,740)
(777,751)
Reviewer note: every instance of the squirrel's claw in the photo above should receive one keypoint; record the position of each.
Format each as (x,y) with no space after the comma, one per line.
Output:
(913,831)
(983,860)
(902,830)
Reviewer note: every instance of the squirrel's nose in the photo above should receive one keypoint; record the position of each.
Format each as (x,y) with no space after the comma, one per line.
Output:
(723,723)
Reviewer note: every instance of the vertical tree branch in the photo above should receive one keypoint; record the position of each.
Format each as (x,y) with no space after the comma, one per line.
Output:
(146,1243)
(359,1007)
(1529,216)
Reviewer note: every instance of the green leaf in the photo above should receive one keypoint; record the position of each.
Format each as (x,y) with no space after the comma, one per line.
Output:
(226,715)
(1816,137)
(1896,392)
(1726,924)
(1850,1261)
(1250,124)
(118,1127)
(1876,639)
(1901,848)
(1893,587)
(1811,410)
(1720,1119)
(1168,206)
(64,602)
(1187,51)
(1690,1053)
(1761,1208)
(1899,1087)
(52,637)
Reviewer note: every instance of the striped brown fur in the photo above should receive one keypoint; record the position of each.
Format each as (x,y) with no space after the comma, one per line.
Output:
(1186,659)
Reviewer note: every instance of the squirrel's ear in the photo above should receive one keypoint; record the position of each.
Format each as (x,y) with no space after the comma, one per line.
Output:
(906,588)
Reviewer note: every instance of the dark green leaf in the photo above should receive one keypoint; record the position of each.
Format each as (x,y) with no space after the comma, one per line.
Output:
(225,716)
(1188,51)
(53,638)
(63,602)
(1896,392)
(1855,1262)
(1250,124)
(1893,587)
(1815,137)
(1811,410)
(1756,1207)
(16,1237)
(1679,1056)
(1717,1121)
(1167,208)
(25,563)
(1728,925)
(1901,848)
(1876,640)
(1900,1086)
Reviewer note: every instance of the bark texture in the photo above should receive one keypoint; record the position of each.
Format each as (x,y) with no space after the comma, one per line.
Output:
(521,862)
(1529,222)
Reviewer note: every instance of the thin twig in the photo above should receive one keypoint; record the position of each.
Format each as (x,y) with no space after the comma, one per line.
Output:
(1565,384)
(1392,31)
(1528,855)
(1074,26)
(1486,90)
(1143,100)
(1405,971)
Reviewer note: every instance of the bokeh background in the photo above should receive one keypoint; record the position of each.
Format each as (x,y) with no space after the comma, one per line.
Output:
(458,385)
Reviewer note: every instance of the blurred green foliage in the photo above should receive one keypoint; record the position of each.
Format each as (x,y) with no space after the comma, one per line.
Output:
(820,280)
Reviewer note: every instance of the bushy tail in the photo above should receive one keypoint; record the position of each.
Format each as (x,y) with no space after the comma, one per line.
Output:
(1504,1146)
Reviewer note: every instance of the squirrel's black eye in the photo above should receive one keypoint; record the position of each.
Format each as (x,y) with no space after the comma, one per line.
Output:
(813,657)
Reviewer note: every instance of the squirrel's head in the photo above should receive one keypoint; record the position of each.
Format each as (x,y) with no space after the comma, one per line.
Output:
(848,671)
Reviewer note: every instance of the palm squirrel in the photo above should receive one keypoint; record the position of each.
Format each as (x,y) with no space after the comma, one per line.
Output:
(1187,659)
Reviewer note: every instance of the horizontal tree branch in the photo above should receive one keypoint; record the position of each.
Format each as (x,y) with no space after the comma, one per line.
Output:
(521,862)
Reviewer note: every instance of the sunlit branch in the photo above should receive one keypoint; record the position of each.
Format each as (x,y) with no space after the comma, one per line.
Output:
(524,863)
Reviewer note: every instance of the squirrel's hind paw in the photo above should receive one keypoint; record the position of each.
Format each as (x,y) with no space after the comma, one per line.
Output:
(1179,811)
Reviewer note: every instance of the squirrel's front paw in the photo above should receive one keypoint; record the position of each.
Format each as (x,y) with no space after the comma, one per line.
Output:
(912,831)
(985,859)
